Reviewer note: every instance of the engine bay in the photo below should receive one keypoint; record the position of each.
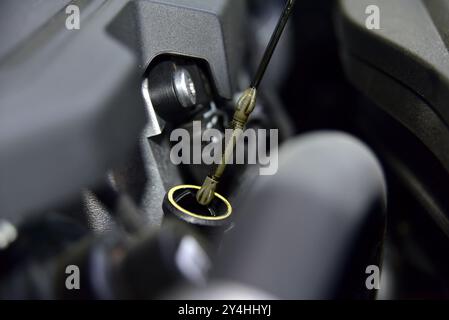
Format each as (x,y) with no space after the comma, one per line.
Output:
(223,150)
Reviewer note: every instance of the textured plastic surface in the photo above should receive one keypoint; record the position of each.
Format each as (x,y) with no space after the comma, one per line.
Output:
(70,101)
(210,30)
(404,66)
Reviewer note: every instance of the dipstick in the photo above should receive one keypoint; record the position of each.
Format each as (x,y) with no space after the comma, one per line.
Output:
(245,106)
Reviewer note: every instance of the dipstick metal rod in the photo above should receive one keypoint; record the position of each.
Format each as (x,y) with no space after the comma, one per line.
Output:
(245,106)
(273,43)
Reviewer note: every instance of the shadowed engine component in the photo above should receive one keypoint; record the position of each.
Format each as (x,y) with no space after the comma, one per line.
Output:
(314,223)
